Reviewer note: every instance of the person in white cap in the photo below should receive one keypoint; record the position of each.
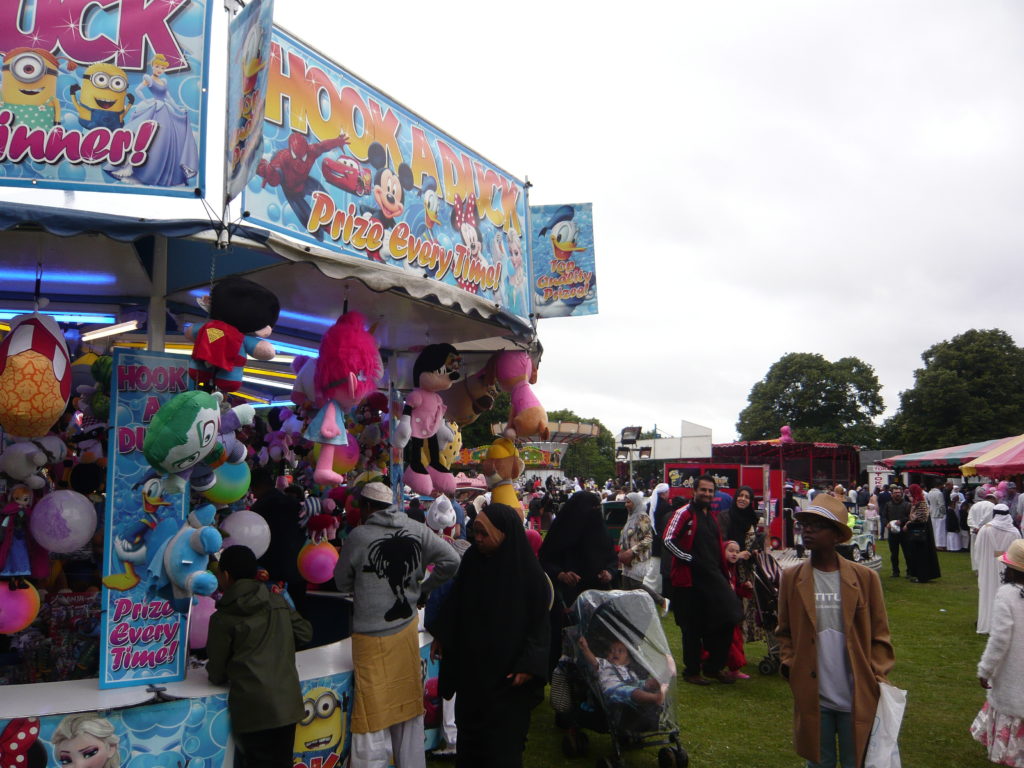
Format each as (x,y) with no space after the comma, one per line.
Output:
(1001,669)
(994,538)
(384,566)
(834,641)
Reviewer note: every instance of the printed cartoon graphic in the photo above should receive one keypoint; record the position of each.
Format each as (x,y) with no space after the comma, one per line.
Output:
(132,536)
(347,174)
(289,169)
(396,558)
(102,100)
(253,62)
(28,87)
(466,221)
(564,278)
(20,744)
(322,726)
(86,740)
(389,187)
(173,157)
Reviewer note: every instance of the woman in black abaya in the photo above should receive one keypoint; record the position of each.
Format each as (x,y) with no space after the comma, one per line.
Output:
(577,554)
(492,636)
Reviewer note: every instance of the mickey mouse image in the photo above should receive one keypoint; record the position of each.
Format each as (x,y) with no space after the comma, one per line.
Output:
(422,420)
(389,187)
(289,169)
(242,315)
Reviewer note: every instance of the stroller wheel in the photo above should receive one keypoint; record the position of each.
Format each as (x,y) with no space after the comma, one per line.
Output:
(673,757)
(767,667)
(575,743)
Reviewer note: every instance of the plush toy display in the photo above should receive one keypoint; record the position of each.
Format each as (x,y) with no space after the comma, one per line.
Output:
(24,460)
(189,436)
(15,538)
(178,559)
(35,376)
(515,373)
(277,443)
(501,468)
(422,420)
(471,396)
(347,371)
(242,316)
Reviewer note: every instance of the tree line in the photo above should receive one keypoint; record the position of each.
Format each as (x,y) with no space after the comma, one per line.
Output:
(970,388)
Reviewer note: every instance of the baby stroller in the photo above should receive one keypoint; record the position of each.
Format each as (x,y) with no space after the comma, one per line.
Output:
(616,676)
(767,578)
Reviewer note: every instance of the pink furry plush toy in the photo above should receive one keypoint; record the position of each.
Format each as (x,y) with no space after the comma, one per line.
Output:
(347,371)
(515,373)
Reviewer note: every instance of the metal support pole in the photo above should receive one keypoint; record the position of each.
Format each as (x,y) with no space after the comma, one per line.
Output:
(156,324)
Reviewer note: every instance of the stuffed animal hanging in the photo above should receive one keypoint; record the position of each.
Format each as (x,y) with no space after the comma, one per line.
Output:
(178,557)
(242,316)
(23,461)
(471,396)
(501,468)
(35,376)
(422,420)
(347,371)
(189,437)
(515,373)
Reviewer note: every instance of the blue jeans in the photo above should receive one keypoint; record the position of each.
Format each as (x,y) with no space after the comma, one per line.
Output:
(836,724)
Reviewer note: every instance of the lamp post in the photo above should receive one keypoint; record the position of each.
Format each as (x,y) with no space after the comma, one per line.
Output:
(624,452)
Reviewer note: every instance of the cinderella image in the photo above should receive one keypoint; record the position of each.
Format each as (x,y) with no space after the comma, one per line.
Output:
(173,157)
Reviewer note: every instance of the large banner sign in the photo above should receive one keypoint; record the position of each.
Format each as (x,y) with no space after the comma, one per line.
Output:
(564,280)
(143,636)
(347,168)
(107,95)
(248,54)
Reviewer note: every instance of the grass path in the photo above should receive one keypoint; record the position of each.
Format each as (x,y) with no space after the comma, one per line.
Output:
(749,725)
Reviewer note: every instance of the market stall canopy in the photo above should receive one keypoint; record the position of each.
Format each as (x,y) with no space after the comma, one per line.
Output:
(1001,460)
(946,459)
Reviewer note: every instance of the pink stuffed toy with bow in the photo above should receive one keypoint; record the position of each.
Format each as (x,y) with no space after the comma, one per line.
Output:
(515,373)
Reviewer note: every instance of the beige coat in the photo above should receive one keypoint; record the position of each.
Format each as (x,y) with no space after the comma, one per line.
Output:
(866,626)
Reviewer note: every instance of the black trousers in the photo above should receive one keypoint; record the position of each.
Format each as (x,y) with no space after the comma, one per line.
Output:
(272,748)
(895,541)
(691,614)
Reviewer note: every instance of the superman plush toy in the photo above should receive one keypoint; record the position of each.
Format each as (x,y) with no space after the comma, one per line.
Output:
(242,316)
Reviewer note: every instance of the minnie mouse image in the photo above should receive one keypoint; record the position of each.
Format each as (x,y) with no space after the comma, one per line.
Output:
(466,221)
(389,187)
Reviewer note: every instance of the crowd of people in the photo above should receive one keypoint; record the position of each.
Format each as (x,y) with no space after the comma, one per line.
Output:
(498,586)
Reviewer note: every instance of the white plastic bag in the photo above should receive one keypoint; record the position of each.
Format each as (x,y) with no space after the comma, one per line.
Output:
(883,744)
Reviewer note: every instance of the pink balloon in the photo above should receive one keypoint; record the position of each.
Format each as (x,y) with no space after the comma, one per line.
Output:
(18,607)
(199,622)
(317,562)
(243,526)
(63,521)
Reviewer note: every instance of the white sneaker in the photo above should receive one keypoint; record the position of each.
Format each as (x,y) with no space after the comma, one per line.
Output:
(663,611)
(448,750)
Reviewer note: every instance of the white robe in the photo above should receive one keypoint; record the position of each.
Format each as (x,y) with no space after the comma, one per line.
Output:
(993,539)
(979,514)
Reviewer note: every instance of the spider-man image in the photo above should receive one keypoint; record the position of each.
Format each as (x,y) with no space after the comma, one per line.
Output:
(289,169)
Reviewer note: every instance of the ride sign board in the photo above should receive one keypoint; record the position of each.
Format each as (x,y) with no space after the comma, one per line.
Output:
(346,168)
(106,96)
(564,280)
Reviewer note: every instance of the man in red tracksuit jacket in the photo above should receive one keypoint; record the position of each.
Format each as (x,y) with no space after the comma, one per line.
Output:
(705,607)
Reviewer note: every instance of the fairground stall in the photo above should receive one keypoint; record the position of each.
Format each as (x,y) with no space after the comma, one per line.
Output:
(352,204)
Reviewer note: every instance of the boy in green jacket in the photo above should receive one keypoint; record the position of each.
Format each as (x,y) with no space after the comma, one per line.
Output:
(251,647)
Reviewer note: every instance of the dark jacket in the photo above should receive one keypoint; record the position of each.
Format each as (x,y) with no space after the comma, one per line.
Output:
(251,647)
(660,516)
(899,512)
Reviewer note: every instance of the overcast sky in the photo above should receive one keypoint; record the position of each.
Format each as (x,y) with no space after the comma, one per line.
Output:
(844,177)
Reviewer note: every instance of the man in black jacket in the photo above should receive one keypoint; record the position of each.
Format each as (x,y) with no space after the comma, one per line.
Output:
(898,512)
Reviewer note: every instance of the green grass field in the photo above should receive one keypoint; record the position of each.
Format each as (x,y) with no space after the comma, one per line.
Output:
(748,725)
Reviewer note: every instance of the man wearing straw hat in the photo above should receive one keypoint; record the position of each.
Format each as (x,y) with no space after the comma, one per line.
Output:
(833,641)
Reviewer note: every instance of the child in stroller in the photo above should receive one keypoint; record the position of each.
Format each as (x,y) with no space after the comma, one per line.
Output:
(616,677)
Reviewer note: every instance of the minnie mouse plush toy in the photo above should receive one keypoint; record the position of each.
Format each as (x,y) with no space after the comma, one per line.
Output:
(422,420)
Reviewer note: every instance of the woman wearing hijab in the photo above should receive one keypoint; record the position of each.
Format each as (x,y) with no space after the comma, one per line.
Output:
(492,636)
(739,524)
(577,554)
(635,543)
(919,540)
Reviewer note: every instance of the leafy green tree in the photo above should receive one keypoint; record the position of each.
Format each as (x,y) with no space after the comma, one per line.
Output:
(820,400)
(971,388)
(590,457)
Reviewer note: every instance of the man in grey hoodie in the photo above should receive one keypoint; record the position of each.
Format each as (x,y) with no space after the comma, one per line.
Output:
(383,564)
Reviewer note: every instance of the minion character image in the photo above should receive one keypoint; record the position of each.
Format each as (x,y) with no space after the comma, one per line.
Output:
(28,87)
(102,101)
(323,725)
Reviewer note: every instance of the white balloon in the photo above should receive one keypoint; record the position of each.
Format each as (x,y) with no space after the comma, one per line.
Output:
(248,528)
(63,521)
